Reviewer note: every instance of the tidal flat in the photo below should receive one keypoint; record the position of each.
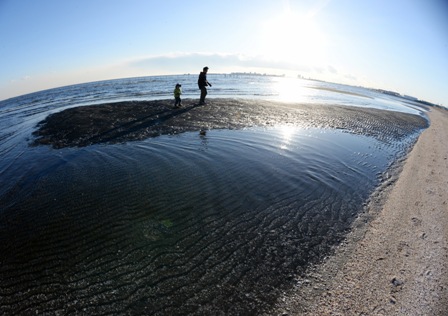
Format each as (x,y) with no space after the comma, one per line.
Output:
(127,121)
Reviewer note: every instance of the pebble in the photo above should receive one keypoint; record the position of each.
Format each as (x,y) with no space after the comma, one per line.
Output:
(397,282)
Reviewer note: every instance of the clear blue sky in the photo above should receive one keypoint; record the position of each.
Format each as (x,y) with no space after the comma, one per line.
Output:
(400,45)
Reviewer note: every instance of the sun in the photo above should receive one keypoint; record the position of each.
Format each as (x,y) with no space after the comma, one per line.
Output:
(293,38)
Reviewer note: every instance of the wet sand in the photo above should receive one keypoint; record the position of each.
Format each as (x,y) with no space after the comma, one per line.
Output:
(128,121)
(397,263)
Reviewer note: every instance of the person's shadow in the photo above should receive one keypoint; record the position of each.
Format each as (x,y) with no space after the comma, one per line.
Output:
(154,125)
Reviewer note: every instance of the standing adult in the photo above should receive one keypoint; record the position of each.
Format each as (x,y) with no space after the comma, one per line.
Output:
(202,84)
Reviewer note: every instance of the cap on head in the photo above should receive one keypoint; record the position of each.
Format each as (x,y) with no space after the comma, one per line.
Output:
(205,68)
(178,85)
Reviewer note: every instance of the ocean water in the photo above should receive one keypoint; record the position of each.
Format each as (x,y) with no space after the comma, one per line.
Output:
(185,224)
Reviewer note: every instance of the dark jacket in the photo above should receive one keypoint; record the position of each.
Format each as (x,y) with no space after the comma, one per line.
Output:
(202,80)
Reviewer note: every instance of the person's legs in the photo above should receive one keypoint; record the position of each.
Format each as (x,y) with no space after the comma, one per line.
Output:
(203,94)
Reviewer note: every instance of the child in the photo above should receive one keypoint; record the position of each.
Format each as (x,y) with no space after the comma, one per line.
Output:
(177,93)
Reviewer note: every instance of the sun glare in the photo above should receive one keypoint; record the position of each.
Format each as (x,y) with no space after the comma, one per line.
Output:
(287,132)
(294,39)
(291,90)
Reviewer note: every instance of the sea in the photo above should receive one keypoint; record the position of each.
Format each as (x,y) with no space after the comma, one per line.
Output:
(181,224)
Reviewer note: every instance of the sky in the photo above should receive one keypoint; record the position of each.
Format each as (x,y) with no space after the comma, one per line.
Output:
(397,45)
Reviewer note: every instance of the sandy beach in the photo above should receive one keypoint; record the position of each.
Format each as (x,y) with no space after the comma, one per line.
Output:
(396,264)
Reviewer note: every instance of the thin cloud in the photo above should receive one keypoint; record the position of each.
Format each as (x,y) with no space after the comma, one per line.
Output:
(332,70)
(185,62)
(351,77)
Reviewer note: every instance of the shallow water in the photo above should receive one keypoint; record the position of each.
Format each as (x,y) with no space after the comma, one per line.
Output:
(185,224)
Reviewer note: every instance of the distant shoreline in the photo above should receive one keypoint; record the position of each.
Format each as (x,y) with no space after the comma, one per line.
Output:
(136,120)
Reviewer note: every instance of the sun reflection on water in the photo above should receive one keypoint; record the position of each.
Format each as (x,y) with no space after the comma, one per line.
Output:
(292,90)
(287,133)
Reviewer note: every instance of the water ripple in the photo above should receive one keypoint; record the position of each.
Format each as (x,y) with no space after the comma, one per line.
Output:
(183,224)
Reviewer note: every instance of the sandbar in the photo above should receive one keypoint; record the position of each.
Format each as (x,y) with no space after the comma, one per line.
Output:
(341,91)
(127,121)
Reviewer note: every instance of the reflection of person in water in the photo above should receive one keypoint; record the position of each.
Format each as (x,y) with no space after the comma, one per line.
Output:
(177,93)
(202,84)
